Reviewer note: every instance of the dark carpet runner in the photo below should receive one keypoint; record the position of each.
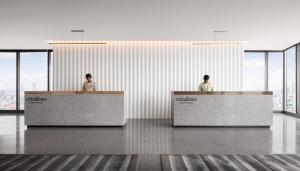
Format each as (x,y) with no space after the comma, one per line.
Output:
(23,162)
(276,162)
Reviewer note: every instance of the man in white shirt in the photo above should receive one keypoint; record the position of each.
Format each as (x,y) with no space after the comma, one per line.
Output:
(205,86)
(89,84)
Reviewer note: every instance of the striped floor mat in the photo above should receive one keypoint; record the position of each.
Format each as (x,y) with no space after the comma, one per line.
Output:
(277,162)
(24,162)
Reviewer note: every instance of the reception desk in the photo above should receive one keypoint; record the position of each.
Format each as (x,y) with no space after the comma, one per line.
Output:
(74,108)
(194,108)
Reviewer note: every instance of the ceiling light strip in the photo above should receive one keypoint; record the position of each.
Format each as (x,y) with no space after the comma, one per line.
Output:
(78,43)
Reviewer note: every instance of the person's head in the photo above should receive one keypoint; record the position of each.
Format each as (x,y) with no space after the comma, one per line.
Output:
(88,77)
(206,78)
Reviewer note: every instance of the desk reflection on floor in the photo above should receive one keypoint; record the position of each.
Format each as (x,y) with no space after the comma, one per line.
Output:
(139,136)
(157,137)
(149,136)
(285,135)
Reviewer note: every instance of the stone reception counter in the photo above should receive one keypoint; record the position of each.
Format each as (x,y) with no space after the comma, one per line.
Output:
(195,108)
(74,108)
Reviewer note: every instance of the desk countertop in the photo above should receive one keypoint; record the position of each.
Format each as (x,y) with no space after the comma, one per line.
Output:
(223,93)
(72,92)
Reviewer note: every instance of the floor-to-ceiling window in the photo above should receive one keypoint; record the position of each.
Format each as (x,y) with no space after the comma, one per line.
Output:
(21,70)
(263,71)
(254,71)
(33,73)
(8,81)
(275,78)
(290,89)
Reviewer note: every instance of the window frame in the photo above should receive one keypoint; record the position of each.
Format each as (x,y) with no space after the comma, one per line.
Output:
(265,65)
(18,52)
(15,80)
(266,72)
(285,79)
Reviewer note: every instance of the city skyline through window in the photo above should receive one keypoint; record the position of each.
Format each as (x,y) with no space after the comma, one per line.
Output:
(7,81)
(33,73)
(290,79)
(275,78)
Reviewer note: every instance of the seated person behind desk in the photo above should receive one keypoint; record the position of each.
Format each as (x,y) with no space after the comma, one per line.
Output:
(89,84)
(205,86)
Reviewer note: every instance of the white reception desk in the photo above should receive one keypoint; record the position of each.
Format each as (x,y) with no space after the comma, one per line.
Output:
(74,108)
(194,108)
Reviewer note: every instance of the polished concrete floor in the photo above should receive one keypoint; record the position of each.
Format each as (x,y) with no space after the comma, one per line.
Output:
(149,138)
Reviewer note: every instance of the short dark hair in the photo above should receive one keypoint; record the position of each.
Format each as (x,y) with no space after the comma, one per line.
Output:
(88,76)
(206,77)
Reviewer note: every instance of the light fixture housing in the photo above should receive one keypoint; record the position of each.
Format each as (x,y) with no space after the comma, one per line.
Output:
(78,31)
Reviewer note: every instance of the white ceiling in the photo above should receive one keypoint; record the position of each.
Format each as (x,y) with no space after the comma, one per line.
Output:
(265,24)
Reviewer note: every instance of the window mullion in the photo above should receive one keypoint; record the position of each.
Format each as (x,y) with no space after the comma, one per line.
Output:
(18,81)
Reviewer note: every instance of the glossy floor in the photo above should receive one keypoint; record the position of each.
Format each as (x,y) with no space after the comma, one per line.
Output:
(149,137)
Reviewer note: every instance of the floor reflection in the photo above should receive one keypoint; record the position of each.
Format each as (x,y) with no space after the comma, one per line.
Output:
(139,136)
(149,137)
(284,135)
(12,134)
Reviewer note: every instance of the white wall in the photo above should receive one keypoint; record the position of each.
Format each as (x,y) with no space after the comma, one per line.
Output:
(148,71)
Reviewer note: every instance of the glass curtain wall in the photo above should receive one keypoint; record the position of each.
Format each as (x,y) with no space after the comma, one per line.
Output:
(254,69)
(255,74)
(290,89)
(8,81)
(33,73)
(275,78)
(20,71)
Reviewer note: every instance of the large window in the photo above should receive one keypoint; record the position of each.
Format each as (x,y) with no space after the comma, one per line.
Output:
(275,78)
(254,69)
(7,81)
(290,79)
(20,71)
(33,73)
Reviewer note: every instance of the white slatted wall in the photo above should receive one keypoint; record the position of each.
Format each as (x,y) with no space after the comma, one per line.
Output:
(148,71)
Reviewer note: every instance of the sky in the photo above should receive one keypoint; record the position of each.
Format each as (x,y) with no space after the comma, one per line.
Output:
(33,74)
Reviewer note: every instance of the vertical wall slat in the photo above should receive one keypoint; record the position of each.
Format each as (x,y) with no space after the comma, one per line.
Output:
(148,71)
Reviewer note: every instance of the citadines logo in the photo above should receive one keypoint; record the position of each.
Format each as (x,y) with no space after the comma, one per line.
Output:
(36,99)
(186,99)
